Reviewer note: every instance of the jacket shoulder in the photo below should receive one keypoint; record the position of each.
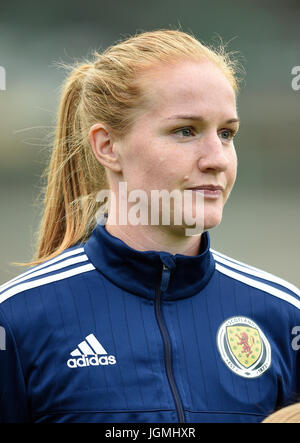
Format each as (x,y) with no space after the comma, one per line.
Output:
(257,278)
(71,262)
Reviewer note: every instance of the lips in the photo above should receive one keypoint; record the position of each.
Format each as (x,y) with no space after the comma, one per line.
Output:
(208,188)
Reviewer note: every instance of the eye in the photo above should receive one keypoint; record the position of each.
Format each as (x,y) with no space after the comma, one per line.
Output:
(187,131)
(228,134)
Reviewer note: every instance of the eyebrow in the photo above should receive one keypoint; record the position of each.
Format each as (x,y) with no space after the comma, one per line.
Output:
(199,118)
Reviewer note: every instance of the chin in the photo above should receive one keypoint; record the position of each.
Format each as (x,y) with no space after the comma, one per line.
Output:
(199,227)
(212,222)
(212,219)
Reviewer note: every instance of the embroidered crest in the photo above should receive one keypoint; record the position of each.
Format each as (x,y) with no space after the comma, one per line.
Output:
(244,347)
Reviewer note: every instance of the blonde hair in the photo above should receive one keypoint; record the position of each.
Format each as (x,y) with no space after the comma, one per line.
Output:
(288,414)
(104,89)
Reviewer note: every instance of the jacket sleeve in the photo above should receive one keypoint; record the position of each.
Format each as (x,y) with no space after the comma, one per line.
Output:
(13,402)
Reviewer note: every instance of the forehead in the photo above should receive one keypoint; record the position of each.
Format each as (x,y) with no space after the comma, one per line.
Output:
(189,87)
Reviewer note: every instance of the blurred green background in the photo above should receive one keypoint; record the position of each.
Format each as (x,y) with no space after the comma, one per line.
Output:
(261,219)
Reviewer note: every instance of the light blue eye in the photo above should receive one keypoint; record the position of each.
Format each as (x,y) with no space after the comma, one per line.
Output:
(184,130)
(229,132)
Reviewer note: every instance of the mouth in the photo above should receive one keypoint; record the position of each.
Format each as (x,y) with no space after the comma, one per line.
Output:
(210,191)
(208,187)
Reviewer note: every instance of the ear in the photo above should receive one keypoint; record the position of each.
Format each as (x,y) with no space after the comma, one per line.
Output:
(103,147)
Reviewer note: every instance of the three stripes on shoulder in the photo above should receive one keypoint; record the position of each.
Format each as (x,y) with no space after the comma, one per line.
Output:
(24,281)
(232,268)
(53,270)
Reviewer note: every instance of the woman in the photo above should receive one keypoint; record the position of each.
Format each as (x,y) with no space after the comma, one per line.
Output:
(126,322)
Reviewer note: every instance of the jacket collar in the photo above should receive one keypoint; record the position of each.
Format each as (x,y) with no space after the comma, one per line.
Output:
(140,272)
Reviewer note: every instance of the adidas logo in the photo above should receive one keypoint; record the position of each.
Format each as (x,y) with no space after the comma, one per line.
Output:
(90,347)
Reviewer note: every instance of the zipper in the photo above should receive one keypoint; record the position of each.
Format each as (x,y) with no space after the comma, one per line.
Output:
(166,341)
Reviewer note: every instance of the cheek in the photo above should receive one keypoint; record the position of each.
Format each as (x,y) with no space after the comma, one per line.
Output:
(232,169)
(146,167)
(151,164)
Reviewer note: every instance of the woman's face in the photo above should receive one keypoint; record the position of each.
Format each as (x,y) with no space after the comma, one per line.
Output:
(183,138)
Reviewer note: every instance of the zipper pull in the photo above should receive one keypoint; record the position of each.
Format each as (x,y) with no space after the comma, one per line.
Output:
(165,278)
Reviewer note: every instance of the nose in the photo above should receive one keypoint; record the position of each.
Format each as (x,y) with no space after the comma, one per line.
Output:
(213,153)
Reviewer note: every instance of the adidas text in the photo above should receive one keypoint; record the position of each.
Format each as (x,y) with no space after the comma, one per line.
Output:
(80,362)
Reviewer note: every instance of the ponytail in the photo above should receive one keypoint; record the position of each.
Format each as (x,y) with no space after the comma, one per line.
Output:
(69,198)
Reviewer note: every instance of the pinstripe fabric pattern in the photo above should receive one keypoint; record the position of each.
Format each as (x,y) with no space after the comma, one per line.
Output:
(84,343)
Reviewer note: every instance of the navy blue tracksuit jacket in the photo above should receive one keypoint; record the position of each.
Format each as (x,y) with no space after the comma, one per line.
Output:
(105,333)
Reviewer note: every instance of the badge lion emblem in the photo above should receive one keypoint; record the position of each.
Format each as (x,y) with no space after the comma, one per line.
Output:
(244,347)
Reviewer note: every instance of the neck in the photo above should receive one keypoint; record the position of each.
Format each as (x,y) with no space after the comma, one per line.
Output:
(155,238)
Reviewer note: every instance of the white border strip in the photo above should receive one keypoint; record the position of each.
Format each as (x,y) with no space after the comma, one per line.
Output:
(255,272)
(219,254)
(43,265)
(256,284)
(43,281)
(64,264)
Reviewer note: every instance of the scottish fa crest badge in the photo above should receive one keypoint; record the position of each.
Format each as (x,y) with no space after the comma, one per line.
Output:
(243,347)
